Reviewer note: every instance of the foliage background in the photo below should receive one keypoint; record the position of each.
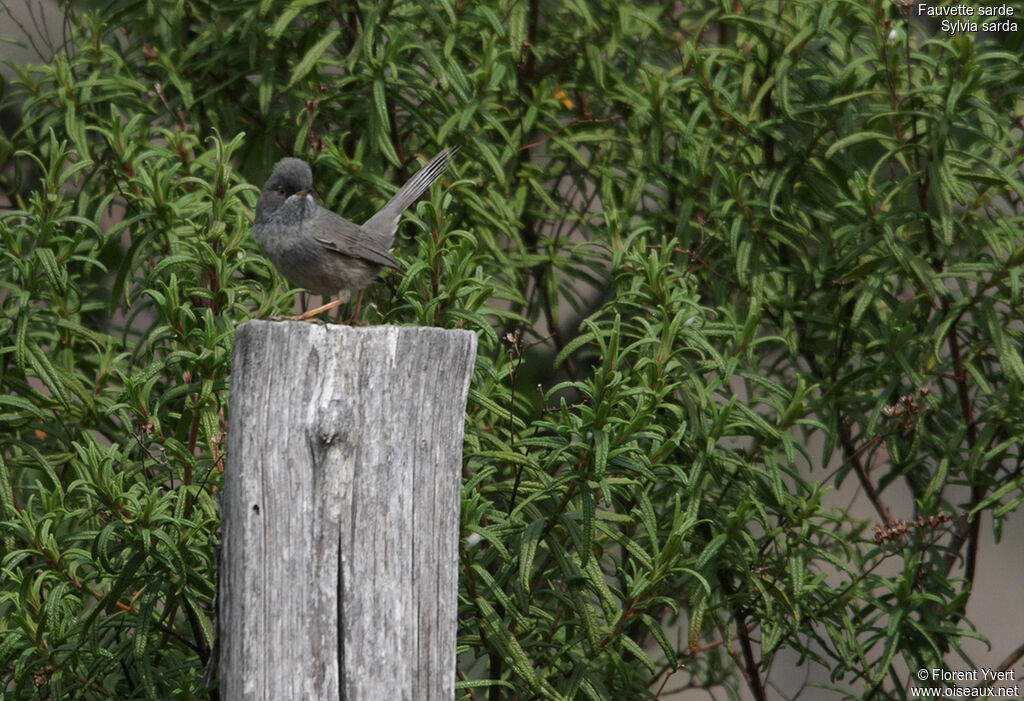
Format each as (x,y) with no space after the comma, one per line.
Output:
(723,258)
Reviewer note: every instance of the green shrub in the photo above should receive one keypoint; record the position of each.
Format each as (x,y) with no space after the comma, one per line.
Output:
(723,260)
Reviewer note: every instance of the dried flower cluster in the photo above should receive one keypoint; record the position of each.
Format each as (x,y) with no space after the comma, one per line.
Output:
(897,529)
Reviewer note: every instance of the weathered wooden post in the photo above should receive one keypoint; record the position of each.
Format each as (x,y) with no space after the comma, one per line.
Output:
(341,512)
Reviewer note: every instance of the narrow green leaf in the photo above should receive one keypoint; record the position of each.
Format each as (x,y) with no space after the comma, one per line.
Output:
(312,56)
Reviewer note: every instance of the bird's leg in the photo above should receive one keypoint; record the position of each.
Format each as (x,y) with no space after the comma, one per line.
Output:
(309,314)
(354,319)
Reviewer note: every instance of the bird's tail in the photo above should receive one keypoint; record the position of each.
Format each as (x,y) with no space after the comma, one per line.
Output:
(385,222)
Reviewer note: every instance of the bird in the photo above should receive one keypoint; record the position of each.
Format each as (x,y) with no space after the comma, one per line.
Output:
(319,250)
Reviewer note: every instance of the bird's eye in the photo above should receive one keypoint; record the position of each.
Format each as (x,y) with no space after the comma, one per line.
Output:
(281,191)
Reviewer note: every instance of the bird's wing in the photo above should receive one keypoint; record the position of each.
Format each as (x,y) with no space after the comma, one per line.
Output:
(342,236)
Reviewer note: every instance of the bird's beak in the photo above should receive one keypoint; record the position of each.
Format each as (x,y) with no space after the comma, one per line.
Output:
(303,193)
